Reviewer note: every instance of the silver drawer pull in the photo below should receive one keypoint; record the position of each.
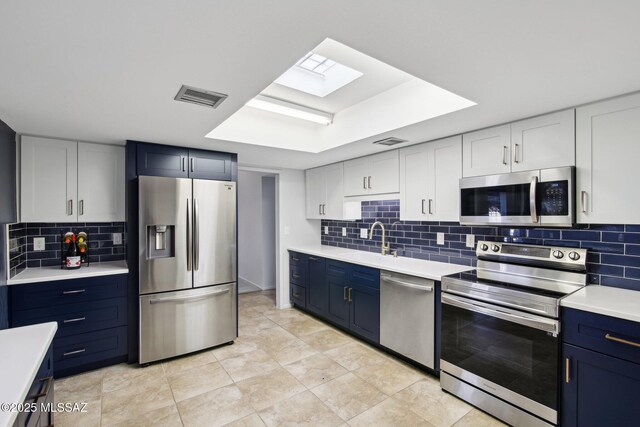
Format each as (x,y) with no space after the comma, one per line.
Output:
(312,258)
(77,319)
(189,299)
(70,353)
(296,295)
(295,276)
(77,291)
(408,285)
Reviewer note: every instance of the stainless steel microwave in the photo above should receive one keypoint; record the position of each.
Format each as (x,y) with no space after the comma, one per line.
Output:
(543,198)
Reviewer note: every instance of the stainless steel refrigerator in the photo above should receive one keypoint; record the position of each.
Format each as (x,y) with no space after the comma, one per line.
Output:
(187,259)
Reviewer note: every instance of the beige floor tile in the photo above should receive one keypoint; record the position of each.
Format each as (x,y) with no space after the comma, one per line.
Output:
(270,388)
(79,388)
(189,361)
(326,339)
(315,370)
(239,347)
(477,418)
(135,400)
(427,399)
(215,408)
(255,326)
(305,326)
(284,316)
(252,420)
(163,417)
(289,351)
(355,356)
(127,375)
(273,337)
(249,365)
(198,380)
(388,413)
(90,418)
(348,395)
(303,409)
(388,376)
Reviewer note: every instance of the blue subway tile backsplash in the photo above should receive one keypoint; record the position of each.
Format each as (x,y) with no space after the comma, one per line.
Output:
(101,247)
(614,257)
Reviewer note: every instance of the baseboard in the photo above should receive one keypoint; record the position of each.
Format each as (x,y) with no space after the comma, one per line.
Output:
(242,279)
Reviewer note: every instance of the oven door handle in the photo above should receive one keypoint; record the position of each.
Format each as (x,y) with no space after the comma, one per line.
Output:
(541,323)
(532,199)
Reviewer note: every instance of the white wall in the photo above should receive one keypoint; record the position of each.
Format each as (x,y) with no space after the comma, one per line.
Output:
(269,231)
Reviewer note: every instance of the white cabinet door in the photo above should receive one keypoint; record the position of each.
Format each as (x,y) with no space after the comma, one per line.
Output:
(334,199)
(607,153)
(356,174)
(101,183)
(414,180)
(487,151)
(384,173)
(315,192)
(543,142)
(48,180)
(445,171)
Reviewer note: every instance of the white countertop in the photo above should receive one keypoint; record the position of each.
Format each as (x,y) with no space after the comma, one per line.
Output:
(414,267)
(607,300)
(22,351)
(48,274)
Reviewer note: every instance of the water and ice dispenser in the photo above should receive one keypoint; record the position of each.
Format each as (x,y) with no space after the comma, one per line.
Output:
(161,241)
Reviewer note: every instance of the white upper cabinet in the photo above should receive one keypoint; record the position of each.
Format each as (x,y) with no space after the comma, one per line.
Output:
(607,153)
(101,183)
(538,143)
(429,180)
(325,195)
(543,142)
(48,180)
(376,174)
(67,181)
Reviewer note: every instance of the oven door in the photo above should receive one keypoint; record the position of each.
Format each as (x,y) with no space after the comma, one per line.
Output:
(510,354)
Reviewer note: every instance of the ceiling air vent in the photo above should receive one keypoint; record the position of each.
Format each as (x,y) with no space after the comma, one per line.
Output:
(390,141)
(202,97)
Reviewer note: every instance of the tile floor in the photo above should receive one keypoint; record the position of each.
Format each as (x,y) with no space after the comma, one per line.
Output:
(286,368)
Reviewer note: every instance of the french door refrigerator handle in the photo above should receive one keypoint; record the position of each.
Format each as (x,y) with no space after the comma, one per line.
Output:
(532,199)
(196,238)
(188,237)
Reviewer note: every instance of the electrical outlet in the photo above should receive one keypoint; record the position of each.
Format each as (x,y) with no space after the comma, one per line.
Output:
(440,238)
(117,238)
(38,243)
(471,240)
(363,233)
(344,231)
(326,229)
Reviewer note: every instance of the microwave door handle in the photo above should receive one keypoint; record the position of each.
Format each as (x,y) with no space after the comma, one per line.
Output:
(532,199)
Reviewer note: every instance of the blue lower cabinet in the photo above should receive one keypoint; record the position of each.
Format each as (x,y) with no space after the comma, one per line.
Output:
(317,286)
(40,394)
(337,302)
(82,352)
(598,390)
(298,295)
(364,312)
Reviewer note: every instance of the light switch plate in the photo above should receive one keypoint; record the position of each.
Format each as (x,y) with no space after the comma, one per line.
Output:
(363,233)
(38,243)
(440,238)
(344,231)
(471,240)
(326,229)
(117,238)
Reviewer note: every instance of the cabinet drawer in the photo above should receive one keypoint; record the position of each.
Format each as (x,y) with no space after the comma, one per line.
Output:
(297,259)
(47,294)
(608,335)
(84,349)
(298,295)
(337,270)
(77,318)
(297,275)
(366,276)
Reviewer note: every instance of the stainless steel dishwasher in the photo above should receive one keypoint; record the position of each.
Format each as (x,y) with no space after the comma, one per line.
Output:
(407,316)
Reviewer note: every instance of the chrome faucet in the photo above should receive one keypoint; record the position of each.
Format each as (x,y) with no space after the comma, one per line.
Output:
(385,246)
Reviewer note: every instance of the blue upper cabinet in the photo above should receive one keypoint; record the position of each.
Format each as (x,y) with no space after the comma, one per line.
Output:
(162,160)
(210,165)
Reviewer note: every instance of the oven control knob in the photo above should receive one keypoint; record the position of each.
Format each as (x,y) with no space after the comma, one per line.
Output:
(484,247)
(558,254)
(574,256)
(495,248)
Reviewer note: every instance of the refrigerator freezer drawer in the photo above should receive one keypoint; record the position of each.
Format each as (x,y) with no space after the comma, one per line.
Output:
(176,323)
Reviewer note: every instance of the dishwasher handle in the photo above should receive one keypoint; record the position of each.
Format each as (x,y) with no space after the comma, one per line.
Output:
(405,284)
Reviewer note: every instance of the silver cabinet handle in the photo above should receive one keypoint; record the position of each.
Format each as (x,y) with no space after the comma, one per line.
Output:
(192,164)
(188,237)
(423,202)
(532,199)
(583,201)
(364,182)
(430,202)
(324,210)
(407,284)
(77,319)
(369,182)
(320,209)
(515,153)
(349,298)
(189,298)
(504,154)
(70,207)
(344,293)
(69,353)
(312,258)
(184,161)
(196,237)
(75,291)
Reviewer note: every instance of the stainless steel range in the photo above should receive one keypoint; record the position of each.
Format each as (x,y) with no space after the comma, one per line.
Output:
(500,327)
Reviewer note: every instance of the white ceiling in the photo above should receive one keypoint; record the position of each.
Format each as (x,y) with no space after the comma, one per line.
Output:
(108,71)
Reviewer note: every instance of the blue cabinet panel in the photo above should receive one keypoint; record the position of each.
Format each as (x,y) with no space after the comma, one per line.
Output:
(317,293)
(210,165)
(365,276)
(365,311)
(298,295)
(162,160)
(601,391)
(337,302)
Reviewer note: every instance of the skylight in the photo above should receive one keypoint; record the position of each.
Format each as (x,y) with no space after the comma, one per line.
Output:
(317,75)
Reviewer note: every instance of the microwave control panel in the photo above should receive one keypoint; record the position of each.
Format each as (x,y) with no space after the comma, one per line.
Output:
(554,198)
